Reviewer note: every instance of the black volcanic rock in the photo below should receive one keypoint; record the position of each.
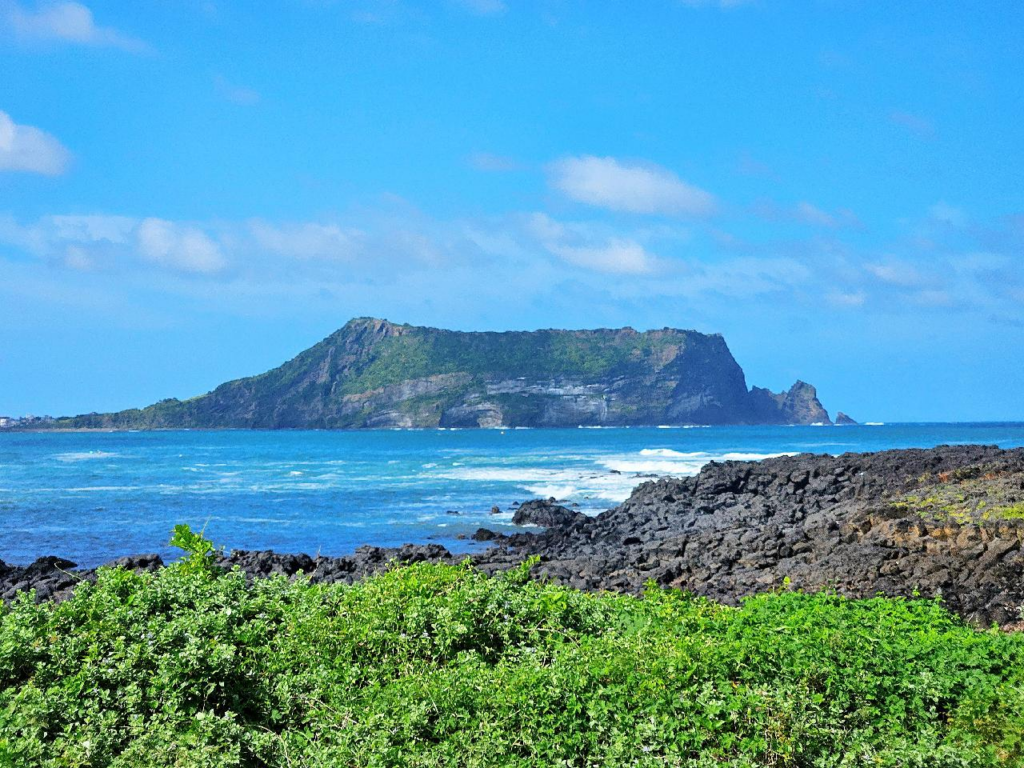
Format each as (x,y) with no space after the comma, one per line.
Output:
(485,534)
(547,514)
(843,420)
(373,373)
(944,521)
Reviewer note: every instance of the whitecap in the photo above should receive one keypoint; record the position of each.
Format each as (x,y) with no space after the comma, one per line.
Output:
(673,468)
(86,456)
(560,492)
(668,452)
(754,456)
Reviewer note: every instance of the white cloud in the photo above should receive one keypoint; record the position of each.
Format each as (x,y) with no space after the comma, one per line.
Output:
(544,228)
(583,245)
(485,161)
(68,22)
(236,94)
(933,298)
(483,7)
(28,149)
(806,213)
(811,214)
(308,240)
(896,273)
(617,256)
(916,125)
(747,165)
(179,247)
(78,258)
(847,299)
(715,3)
(632,187)
(947,214)
(93,229)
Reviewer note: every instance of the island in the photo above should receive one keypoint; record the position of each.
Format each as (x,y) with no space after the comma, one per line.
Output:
(373,373)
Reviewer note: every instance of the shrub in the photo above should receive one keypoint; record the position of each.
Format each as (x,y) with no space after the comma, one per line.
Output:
(432,665)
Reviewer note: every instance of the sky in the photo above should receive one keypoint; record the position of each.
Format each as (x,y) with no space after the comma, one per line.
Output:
(192,191)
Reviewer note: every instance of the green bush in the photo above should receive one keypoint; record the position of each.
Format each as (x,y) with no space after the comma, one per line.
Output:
(433,665)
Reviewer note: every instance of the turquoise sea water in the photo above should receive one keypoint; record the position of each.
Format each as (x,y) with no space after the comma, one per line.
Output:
(91,497)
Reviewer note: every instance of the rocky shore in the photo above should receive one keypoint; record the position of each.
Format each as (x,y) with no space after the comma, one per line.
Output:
(946,521)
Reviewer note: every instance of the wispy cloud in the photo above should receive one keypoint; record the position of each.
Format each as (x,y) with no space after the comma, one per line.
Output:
(847,299)
(309,240)
(179,247)
(617,256)
(606,182)
(589,246)
(715,3)
(812,214)
(916,125)
(491,163)
(102,242)
(482,7)
(948,214)
(68,22)
(805,212)
(28,149)
(896,273)
(392,251)
(236,94)
(747,165)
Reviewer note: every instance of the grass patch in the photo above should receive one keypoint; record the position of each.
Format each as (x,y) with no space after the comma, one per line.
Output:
(967,495)
(432,665)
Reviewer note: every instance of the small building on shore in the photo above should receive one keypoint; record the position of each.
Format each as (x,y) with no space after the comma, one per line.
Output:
(6,421)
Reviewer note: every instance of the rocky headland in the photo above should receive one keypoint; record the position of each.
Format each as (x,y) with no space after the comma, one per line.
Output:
(946,521)
(376,374)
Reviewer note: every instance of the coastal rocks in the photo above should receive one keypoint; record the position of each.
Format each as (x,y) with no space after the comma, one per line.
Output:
(48,576)
(946,522)
(485,534)
(138,563)
(898,522)
(54,578)
(365,561)
(842,420)
(547,514)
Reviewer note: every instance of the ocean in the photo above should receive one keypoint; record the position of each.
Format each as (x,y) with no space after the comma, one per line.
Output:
(91,497)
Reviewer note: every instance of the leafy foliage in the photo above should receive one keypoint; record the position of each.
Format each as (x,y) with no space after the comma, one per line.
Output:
(200,554)
(432,665)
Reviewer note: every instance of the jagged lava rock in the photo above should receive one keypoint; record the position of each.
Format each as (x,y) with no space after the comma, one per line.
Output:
(861,524)
(545,513)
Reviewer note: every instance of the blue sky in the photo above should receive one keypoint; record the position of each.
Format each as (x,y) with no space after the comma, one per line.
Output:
(191,191)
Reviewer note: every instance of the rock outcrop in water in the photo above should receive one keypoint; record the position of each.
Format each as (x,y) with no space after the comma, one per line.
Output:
(373,373)
(947,521)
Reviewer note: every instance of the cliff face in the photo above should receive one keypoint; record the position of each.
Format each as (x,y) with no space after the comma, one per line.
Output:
(373,373)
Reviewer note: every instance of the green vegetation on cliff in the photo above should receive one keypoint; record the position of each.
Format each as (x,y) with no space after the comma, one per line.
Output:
(373,373)
(434,665)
